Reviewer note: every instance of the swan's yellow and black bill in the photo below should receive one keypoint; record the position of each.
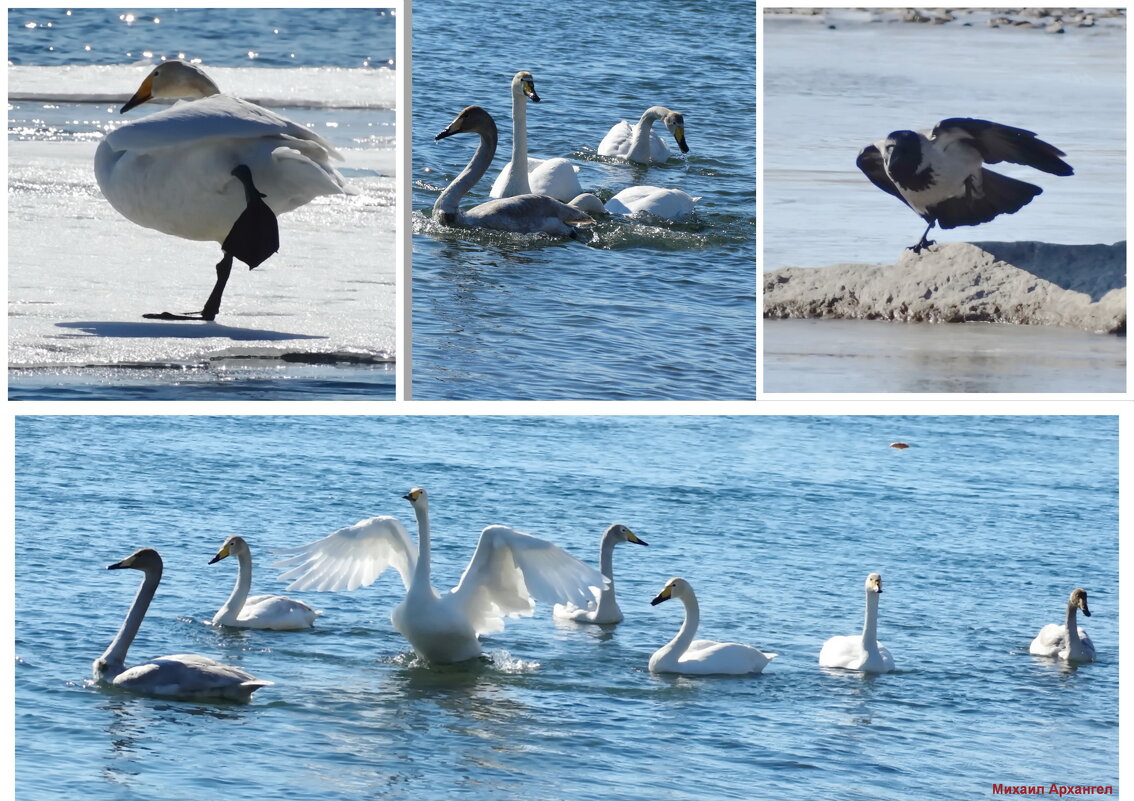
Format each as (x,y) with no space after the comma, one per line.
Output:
(664,595)
(221,554)
(413,494)
(456,126)
(144,93)
(634,538)
(679,135)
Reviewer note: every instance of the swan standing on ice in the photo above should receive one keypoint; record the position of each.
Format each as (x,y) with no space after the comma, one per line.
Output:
(860,652)
(181,675)
(604,607)
(213,168)
(275,612)
(670,204)
(552,177)
(638,143)
(508,573)
(685,655)
(524,214)
(1067,641)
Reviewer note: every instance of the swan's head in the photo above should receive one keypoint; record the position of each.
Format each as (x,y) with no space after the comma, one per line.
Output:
(526,84)
(173,78)
(1079,599)
(674,588)
(874,582)
(417,496)
(675,124)
(146,559)
(619,533)
(233,546)
(472,119)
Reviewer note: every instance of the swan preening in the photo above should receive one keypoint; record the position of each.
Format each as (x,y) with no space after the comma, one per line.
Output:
(860,651)
(180,675)
(525,214)
(508,573)
(1066,641)
(213,168)
(685,655)
(638,142)
(670,204)
(524,175)
(276,612)
(604,607)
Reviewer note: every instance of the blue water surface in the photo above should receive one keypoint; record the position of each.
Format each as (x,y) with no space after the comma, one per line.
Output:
(641,309)
(980,529)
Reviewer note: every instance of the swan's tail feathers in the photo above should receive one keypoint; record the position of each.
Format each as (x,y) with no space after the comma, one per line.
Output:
(771,656)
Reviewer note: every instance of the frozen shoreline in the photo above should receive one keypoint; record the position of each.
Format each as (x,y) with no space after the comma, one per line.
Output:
(1025,283)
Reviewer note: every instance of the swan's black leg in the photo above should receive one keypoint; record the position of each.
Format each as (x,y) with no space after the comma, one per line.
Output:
(253,238)
(212,305)
(924,242)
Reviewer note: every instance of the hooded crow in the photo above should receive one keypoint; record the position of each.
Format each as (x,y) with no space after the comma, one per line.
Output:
(939,175)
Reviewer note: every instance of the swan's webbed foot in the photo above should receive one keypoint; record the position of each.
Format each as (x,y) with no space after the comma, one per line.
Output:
(256,234)
(212,305)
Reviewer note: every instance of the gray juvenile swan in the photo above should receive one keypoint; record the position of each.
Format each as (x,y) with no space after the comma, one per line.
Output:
(523,214)
(181,675)
(276,612)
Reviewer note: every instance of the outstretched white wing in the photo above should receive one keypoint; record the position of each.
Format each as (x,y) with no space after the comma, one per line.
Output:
(511,570)
(352,557)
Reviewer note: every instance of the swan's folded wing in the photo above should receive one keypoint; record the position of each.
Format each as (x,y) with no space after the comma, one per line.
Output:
(216,116)
(350,558)
(510,570)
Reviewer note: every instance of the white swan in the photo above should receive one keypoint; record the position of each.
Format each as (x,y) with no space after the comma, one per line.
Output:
(555,178)
(198,170)
(670,204)
(604,607)
(525,214)
(1066,641)
(683,654)
(508,572)
(638,142)
(860,651)
(180,675)
(275,612)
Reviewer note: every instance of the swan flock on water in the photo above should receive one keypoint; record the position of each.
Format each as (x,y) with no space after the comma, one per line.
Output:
(508,573)
(533,195)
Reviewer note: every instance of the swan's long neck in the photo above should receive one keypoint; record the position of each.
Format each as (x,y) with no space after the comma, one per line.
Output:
(606,558)
(640,137)
(1072,626)
(240,590)
(421,569)
(870,626)
(520,139)
(448,204)
(679,644)
(113,660)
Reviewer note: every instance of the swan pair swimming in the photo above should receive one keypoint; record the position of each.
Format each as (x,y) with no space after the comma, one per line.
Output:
(178,676)
(557,178)
(215,168)
(1066,641)
(509,571)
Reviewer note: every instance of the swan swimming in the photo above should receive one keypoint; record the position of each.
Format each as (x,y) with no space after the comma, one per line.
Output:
(1066,641)
(555,178)
(604,607)
(212,168)
(508,573)
(638,142)
(860,651)
(180,675)
(670,204)
(685,655)
(275,612)
(524,214)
